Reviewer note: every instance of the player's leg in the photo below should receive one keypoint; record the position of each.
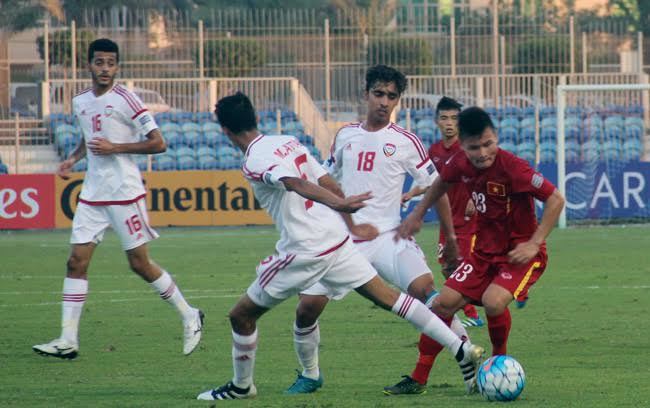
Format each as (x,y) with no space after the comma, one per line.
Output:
(405,306)
(306,341)
(495,301)
(131,223)
(88,226)
(243,320)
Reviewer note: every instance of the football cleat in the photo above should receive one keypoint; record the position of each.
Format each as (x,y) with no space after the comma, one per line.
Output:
(58,348)
(521,303)
(472,357)
(304,385)
(405,387)
(192,332)
(472,322)
(228,392)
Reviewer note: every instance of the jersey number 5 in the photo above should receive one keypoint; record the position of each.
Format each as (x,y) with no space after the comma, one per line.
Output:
(300,160)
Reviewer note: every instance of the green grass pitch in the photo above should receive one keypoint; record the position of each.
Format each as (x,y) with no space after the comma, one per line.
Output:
(583,339)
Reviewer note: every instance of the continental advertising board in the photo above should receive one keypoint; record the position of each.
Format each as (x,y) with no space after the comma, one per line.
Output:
(187,198)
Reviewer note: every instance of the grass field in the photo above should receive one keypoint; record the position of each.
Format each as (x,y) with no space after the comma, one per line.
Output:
(583,339)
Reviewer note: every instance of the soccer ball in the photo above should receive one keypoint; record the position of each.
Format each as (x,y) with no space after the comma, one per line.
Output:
(501,378)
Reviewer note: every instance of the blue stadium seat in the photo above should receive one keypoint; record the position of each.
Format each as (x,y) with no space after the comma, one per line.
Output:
(208,163)
(193,139)
(185,152)
(186,163)
(292,127)
(614,120)
(3,168)
(170,127)
(572,133)
(527,134)
(427,134)
(426,123)
(289,115)
(631,155)
(214,139)
(203,117)
(527,122)
(527,155)
(509,146)
(223,151)
(528,110)
(65,128)
(81,165)
(573,110)
(633,132)
(142,161)
(633,121)
(613,132)
(572,156)
(593,120)
(191,127)
(175,140)
(306,140)
(548,111)
(634,110)
(269,127)
(525,147)
(163,117)
(315,152)
(508,134)
(206,151)
(593,133)
(547,156)
(211,127)
(549,122)
(548,134)
(163,162)
(510,121)
(633,145)
(572,121)
(548,146)
(182,117)
(228,163)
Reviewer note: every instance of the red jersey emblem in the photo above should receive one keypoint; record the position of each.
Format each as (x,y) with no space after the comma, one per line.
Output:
(389,149)
(496,189)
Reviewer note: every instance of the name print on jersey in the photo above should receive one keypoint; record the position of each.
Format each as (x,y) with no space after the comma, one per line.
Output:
(284,150)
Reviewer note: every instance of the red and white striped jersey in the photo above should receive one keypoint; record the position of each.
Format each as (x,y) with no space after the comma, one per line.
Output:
(305,226)
(378,162)
(120,117)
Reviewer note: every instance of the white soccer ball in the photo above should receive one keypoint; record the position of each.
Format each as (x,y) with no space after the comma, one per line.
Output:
(501,378)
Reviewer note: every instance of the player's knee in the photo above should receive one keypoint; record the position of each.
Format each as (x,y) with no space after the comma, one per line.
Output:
(241,323)
(138,265)
(443,307)
(76,266)
(494,306)
(307,312)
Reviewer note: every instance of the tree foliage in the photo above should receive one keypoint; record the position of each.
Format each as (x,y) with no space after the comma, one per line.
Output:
(232,57)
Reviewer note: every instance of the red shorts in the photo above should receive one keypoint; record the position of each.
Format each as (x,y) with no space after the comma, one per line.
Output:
(465,246)
(475,274)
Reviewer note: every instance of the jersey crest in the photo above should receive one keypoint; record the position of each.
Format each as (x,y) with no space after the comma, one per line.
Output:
(389,149)
(496,189)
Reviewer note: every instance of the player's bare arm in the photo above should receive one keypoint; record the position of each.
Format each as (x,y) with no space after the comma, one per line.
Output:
(470,209)
(413,223)
(154,143)
(65,167)
(525,251)
(317,193)
(362,231)
(414,192)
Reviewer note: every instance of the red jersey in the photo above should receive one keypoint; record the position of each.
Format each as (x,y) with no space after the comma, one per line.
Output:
(503,195)
(458,194)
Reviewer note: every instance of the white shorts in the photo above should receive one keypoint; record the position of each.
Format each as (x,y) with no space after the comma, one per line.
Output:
(129,221)
(281,276)
(399,263)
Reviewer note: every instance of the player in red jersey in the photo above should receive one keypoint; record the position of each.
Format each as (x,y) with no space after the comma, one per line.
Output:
(510,251)
(462,206)
(464,220)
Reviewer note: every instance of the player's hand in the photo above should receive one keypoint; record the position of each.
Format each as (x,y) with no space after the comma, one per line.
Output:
(101,146)
(523,252)
(409,227)
(353,203)
(450,253)
(366,232)
(65,167)
(406,197)
(470,209)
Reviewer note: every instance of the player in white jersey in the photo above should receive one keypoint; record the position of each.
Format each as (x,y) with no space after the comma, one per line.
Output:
(377,155)
(112,120)
(314,246)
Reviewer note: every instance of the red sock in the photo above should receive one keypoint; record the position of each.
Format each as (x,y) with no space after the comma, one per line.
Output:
(429,350)
(499,328)
(470,311)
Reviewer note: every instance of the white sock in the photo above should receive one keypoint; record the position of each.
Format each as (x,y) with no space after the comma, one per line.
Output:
(426,321)
(169,292)
(306,341)
(74,297)
(459,330)
(243,358)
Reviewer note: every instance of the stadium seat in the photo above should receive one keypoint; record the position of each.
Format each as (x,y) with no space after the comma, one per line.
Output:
(590,151)
(427,134)
(508,134)
(214,139)
(614,120)
(509,146)
(527,134)
(548,111)
(548,122)
(211,127)
(163,162)
(204,117)
(593,133)
(162,117)
(203,151)
(186,163)
(288,115)
(572,156)
(548,134)
(315,152)
(291,127)
(185,152)
(526,147)
(571,145)
(193,139)
(547,156)
(182,117)
(633,132)
(548,146)
(306,140)
(593,120)
(208,163)
(634,110)
(223,151)
(426,123)
(613,132)
(527,155)
(142,161)
(632,145)
(527,122)
(191,127)
(65,128)
(512,122)
(572,121)
(572,133)
(633,121)
(269,127)
(81,165)
(170,127)
(3,168)
(175,140)
(228,163)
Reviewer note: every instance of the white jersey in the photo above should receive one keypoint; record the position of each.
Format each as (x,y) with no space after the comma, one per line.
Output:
(120,117)
(378,162)
(305,226)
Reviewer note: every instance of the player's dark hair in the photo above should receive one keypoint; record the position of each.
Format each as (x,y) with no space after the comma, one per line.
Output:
(472,122)
(105,45)
(236,112)
(386,74)
(447,103)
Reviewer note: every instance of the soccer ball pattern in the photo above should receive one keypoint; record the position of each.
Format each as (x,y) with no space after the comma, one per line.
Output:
(501,378)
